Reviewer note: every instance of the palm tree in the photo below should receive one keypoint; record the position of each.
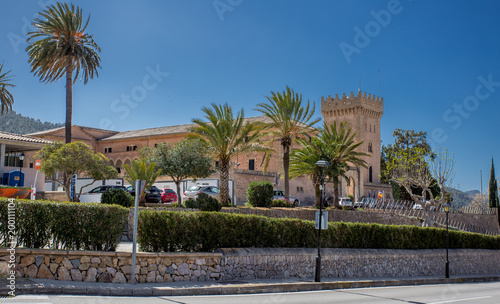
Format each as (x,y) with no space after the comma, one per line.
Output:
(226,136)
(139,170)
(343,154)
(336,146)
(289,121)
(6,98)
(59,46)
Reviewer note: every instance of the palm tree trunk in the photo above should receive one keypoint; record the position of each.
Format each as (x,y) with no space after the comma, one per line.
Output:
(286,168)
(335,192)
(224,182)
(69,98)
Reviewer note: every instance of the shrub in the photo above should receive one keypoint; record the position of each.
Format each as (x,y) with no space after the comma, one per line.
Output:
(208,203)
(282,203)
(260,194)
(191,203)
(117,197)
(207,231)
(64,225)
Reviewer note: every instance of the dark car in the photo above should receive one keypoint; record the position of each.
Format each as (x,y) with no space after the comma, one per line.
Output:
(104,188)
(168,195)
(152,195)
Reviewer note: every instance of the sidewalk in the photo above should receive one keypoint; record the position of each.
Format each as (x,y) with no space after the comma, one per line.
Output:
(42,286)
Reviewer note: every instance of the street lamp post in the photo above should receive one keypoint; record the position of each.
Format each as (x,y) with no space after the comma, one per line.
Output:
(321,164)
(21,158)
(446,208)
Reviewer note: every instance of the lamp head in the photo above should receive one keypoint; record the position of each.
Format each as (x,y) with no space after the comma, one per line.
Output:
(446,207)
(322,164)
(21,156)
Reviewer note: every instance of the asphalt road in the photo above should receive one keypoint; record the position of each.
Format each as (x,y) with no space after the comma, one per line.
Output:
(428,294)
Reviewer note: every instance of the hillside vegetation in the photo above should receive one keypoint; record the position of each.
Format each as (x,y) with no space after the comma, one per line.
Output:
(13,122)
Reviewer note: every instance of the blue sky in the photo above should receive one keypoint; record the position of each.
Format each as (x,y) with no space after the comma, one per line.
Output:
(163,60)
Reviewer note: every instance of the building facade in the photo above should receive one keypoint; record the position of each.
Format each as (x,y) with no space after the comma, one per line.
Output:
(361,112)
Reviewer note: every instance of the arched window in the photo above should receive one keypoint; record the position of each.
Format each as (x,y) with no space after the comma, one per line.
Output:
(370,147)
(370,175)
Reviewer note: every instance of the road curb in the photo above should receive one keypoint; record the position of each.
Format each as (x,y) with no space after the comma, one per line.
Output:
(250,288)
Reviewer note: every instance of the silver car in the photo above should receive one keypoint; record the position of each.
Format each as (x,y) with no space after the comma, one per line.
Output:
(280,194)
(193,191)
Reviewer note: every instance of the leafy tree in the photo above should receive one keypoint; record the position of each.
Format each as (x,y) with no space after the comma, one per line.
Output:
(6,98)
(226,136)
(186,159)
(406,164)
(334,144)
(74,158)
(493,187)
(289,121)
(59,46)
(139,170)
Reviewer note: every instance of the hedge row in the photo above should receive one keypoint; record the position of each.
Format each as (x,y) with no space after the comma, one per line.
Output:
(171,231)
(63,225)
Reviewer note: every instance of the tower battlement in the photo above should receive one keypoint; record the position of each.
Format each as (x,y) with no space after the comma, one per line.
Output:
(361,100)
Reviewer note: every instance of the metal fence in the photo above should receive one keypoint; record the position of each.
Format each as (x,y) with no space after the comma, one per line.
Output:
(412,209)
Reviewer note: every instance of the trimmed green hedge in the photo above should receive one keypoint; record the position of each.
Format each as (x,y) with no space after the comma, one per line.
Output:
(64,225)
(172,231)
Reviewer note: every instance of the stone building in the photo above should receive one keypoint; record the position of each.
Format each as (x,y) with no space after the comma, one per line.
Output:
(361,112)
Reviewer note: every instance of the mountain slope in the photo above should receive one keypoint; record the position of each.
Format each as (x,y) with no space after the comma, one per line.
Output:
(13,122)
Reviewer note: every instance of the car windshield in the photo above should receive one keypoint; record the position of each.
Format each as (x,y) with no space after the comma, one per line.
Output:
(279,193)
(194,188)
(169,191)
(215,190)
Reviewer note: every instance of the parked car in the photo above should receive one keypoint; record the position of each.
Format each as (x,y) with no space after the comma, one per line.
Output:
(168,195)
(153,195)
(193,191)
(280,194)
(104,188)
(346,202)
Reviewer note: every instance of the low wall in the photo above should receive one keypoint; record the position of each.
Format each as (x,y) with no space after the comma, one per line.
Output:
(246,263)
(58,196)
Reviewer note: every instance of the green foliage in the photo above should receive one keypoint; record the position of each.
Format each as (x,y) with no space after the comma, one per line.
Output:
(204,202)
(60,37)
(208,203)
(289,120)
(13,122)
(74,158)
(140,171)
(226,136)
(493,188)
(117,197)
(188,158)
(6,98)
(191,203)
(335,144)
(260,194)
(281,203)
(69,226)
(206,231)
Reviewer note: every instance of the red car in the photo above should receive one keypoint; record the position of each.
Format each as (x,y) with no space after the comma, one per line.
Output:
(168,195)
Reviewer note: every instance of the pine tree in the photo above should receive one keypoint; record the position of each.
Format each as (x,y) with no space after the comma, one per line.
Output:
(493,187)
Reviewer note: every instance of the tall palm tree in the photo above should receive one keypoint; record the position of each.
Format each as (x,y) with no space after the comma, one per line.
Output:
(344,154)
(6,98)
(59,46)
(226,136)
(289,121)
(335,145)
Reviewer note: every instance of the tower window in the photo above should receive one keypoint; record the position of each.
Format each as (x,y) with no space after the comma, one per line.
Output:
(370,175)
(370,147)
(107,150)
(251,164)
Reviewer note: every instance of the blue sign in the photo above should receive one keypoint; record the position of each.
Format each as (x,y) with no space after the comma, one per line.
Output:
(73,183)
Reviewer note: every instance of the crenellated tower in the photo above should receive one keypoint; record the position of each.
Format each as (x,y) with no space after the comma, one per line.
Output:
(362,113)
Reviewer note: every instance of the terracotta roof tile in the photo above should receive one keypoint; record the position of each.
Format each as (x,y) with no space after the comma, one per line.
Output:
(16,137)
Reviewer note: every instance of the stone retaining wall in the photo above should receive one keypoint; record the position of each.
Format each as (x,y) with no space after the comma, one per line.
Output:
(246,263)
